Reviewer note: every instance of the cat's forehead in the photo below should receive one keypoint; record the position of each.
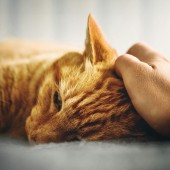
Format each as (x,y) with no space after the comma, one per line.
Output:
(91,81)
(78,79)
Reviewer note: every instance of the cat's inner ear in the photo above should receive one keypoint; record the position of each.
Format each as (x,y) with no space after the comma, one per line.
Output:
(96,47)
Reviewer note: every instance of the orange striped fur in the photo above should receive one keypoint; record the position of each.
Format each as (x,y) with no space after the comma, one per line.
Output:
(48,98)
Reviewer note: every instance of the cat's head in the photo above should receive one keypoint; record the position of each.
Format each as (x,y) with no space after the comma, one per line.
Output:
(82,98)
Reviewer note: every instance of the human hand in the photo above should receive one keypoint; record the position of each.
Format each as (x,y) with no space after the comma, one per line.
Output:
(146,76)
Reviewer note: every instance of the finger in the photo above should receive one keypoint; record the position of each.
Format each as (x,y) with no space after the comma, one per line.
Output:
(134,73)
(143,52)
(127,65)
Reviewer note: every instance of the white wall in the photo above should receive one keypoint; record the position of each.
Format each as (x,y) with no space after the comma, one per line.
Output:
(123,21)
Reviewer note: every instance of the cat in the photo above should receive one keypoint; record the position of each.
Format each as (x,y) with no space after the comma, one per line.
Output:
(48,94)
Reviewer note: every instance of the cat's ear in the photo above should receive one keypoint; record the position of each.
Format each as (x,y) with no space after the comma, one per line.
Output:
(96,47)
(56,72)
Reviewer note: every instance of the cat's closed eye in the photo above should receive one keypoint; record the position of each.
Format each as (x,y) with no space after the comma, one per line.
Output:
(57,100)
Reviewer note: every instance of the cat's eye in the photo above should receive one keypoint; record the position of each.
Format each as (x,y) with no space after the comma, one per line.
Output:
(57,101)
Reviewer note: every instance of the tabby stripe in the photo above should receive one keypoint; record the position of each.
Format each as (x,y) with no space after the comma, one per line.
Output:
(122,91)
(94,123)
(91,104)
(97,111)
(109,100)
(94,111)
(81,99)
(9,83)
(76,114)
(71,95)
(90,133)
(76,105)
(72,132)
(116,117)
(122,102)
(97,88)
(36,80)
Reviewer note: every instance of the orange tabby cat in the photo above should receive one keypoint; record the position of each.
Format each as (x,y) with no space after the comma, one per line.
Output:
(78,96)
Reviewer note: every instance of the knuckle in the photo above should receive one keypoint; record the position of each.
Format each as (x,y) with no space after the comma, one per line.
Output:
(122,58)
(137,46)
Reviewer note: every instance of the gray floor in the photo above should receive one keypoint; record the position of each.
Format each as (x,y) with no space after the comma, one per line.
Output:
(114,155)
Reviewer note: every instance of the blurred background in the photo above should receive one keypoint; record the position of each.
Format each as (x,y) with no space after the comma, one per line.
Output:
(123,22)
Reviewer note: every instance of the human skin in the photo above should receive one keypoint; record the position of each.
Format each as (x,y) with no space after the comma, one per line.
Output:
(146,76)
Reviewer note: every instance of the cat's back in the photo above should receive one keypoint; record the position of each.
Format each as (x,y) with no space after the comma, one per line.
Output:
(16,49)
